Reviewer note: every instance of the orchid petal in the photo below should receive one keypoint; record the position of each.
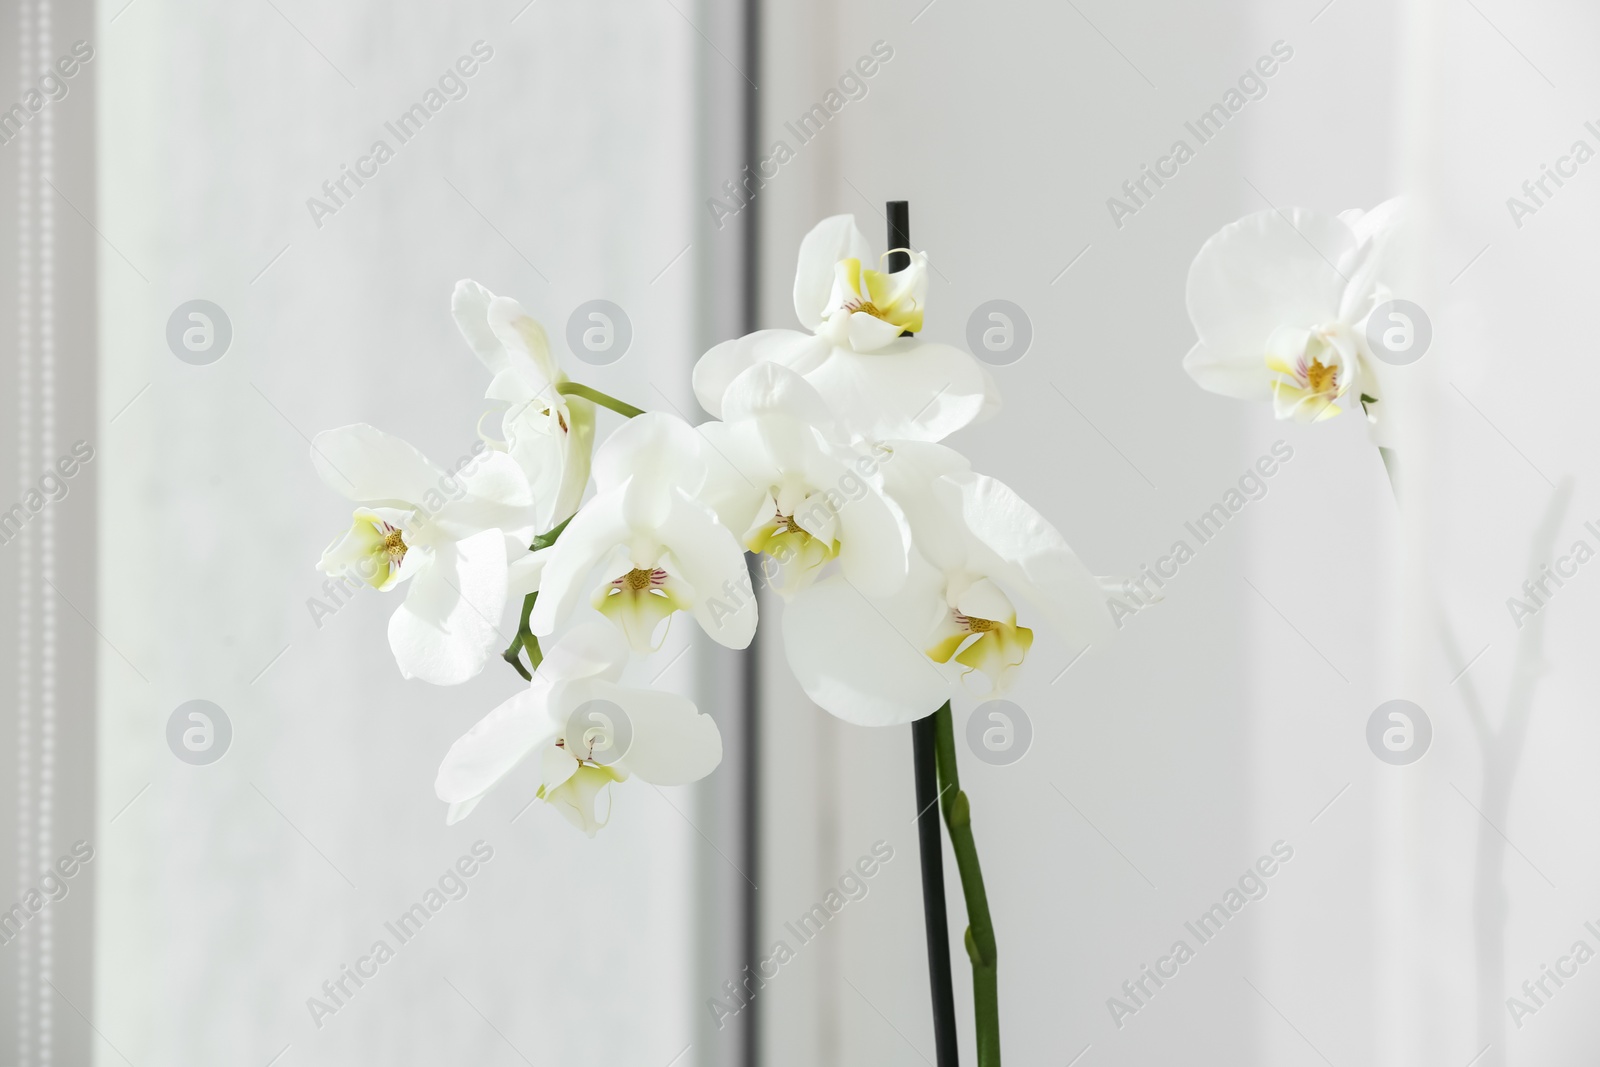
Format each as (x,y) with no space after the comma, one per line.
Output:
(874,538)
(491,492)
(524,571)
(669,741)
(556,764)
(711,561)
(773,389)
(868,333)
(1028,554)
(738,473)
(871,672)
(485,754)
(910,389)
(366,464)
(831,240)
(580,450)
(589,650)
(1264,271)
(575,798)
(1375,233)
(469,306)
(716,370)
(595,531)
(449,621)
(526,344)
(653,449)
(457,812)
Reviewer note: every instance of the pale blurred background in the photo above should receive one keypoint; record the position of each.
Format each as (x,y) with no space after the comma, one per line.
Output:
(578,165)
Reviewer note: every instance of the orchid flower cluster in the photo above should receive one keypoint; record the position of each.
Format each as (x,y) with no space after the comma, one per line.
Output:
(1281,304)
(906,576)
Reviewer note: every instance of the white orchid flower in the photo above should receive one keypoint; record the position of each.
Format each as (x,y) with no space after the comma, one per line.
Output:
(980,549)
(645,547)
(584,730)
(783,479)
(452,535)
(879,383)
(1280,303)
(549,434)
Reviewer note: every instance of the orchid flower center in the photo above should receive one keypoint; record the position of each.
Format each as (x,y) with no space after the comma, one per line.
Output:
(376,550)
(890,298)
(394,545)
(995,647)
(640,579)
(1316,368)
(637,601)
(866,307)
(1320,379)
(583,751)
(796,554)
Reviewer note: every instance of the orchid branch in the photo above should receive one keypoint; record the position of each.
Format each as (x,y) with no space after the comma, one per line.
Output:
(980,940)
(605,400)
(525,641)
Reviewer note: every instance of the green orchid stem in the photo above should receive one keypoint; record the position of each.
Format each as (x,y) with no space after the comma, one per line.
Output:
(605,400)
(980,928)
(525,641)
(545,540)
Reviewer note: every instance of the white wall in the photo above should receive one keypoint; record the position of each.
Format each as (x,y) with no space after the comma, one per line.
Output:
(1227,718)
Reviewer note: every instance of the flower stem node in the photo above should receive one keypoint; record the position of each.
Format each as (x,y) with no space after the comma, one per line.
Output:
(960,811)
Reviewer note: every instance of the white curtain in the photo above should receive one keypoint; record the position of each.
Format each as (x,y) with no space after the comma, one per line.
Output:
(558,170)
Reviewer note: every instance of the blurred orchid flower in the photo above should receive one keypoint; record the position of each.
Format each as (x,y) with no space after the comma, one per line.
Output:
(645,547)
(784,479)
(454,535)
(1280,302)
(584,730)
(884,385)
(549,434)
(977,546)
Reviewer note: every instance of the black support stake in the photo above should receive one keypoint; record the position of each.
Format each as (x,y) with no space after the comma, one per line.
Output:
(929,840)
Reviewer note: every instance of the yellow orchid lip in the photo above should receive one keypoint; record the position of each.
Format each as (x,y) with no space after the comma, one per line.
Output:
(637,601)
(994,647)
(575,798)
(1309,387)
(383,549)
(792,546)
(883,296)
